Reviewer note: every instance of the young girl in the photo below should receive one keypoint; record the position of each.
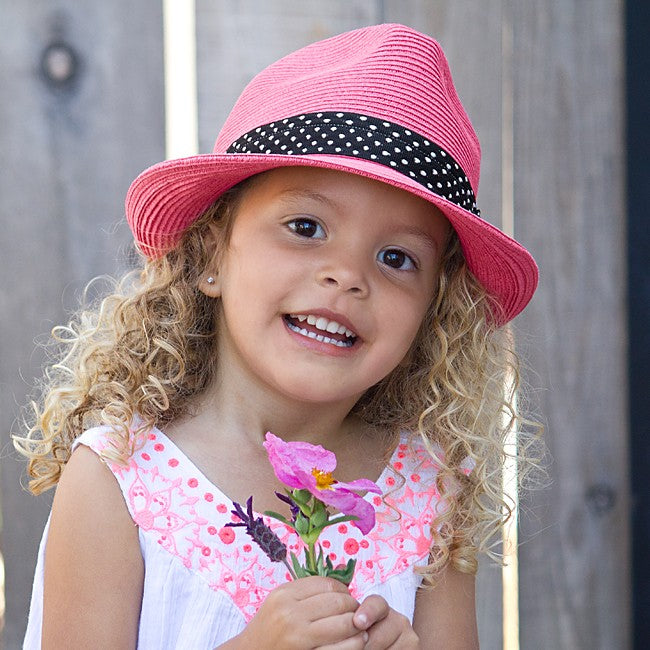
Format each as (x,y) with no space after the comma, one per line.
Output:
(324,275)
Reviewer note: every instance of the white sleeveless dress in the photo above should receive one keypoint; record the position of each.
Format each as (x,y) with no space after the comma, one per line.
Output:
(204,581)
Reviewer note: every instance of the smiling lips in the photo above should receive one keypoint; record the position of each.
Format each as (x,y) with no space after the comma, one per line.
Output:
(321,329)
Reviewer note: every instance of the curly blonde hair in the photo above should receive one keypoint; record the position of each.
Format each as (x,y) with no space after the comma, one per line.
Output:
(145,350)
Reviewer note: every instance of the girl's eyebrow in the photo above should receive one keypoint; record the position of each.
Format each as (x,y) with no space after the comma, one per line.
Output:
(423,235)
(297,194)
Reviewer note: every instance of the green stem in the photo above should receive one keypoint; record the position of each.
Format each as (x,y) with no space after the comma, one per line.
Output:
(311,556)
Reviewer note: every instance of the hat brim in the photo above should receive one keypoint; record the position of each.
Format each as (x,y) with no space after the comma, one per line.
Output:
(164,200)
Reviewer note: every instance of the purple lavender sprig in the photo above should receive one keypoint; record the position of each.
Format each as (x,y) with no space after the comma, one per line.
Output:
(291,503)
(261,534)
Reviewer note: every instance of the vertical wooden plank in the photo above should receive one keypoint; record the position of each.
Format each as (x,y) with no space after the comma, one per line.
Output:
(470,34)
(569,209)
(68,154)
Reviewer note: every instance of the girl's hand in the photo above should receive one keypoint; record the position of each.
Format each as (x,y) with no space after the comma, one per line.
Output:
(308,613)
(386,628)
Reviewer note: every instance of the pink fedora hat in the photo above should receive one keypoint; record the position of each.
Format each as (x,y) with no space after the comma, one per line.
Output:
(378,102)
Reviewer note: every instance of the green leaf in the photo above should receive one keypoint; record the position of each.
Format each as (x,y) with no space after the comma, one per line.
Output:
(319,519)
(311,537)
(344,575)
(279,517)
(298,569)
(301,497)
(302,524)
(340,520)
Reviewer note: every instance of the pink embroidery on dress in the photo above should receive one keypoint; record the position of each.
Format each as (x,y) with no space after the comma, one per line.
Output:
(164,502)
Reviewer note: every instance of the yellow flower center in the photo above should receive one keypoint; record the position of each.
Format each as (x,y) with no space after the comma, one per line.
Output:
(324,480)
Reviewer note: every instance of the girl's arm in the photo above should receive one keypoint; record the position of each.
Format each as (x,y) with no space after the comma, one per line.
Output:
(445,616)
(93,567)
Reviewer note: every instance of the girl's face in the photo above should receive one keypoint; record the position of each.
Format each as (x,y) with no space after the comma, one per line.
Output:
(324,283)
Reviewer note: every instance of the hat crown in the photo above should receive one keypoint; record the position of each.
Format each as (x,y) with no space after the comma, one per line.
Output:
(387,71)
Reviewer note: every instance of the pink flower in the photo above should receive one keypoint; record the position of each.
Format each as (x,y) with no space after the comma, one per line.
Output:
(300,465)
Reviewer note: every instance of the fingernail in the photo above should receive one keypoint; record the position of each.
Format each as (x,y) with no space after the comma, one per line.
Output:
(362,619)
(365,637)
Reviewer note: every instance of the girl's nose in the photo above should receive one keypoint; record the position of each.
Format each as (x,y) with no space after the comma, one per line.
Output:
(346,274)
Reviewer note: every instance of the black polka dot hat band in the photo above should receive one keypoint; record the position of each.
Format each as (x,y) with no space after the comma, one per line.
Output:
(363,136)
(377,101)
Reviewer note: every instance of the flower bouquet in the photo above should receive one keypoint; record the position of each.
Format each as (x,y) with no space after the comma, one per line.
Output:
(307,470)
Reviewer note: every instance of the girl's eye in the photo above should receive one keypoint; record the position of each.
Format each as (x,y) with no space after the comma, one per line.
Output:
(397,259)
(307,228)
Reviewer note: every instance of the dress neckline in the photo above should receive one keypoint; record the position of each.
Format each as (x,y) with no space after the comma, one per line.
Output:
(200,475)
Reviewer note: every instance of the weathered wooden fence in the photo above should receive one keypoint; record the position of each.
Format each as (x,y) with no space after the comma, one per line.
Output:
(542,81)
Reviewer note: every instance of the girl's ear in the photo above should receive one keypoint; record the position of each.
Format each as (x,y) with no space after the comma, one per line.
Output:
(210,283)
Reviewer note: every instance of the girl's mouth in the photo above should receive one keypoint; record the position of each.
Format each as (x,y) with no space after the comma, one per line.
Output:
(321,329)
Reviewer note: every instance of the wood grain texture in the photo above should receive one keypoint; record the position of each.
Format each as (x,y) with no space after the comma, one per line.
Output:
(569,209)
(68,155)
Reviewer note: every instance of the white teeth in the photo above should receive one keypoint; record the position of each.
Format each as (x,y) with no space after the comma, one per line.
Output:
(319,337)
(322,323)
(332,327)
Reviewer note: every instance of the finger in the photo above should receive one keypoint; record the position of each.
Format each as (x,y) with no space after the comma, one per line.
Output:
(356,642)
(394,631)
(328,604)
(332,630)
(372,609)
(382,636)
